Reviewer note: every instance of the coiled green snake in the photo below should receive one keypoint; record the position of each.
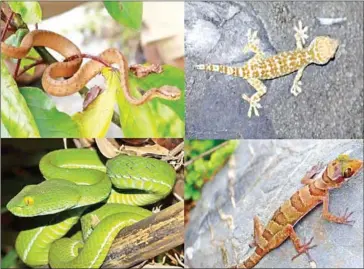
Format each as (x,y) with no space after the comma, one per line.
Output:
(75,180)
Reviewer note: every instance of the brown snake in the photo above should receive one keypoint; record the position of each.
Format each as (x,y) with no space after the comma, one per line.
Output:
(78,76)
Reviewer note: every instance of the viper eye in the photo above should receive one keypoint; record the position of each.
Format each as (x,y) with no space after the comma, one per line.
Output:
(28,201)
(347,172)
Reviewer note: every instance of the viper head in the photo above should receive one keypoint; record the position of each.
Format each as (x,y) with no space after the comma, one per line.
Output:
(342,169)
(48,197)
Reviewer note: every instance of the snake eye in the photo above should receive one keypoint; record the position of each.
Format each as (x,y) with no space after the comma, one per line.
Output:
(347,173)
(28,201)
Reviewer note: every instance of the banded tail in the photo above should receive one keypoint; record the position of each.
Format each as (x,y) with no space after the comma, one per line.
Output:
(253,259)
(228,70)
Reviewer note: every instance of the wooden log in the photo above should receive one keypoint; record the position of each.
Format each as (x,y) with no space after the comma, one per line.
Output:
(147,238)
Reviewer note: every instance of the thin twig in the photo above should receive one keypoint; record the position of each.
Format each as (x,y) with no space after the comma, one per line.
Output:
(6,26)
(85,55)
(31,58)
(17,68)
(28,67)
(206,153)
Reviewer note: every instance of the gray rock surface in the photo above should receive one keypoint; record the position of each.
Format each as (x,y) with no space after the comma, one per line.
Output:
(268,172)
(331,103)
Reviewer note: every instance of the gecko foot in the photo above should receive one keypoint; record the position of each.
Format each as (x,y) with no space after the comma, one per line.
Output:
(252,244)
(253,41)
(301,32)
(344,219)
(254,105)
(315,170)
(296,88)
(304,249)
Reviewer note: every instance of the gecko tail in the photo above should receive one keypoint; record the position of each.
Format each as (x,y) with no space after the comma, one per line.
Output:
(224,69)
(251,261)
(200,66)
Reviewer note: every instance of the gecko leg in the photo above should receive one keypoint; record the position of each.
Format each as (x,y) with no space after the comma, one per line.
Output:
(309,177)
(300,35)
(288,231)
(253,46)
(258,232)
(297,83)
(344,219)
(300,248)
(255,98)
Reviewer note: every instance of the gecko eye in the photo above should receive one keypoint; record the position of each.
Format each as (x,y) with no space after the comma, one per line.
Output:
(28,201)
(347,173)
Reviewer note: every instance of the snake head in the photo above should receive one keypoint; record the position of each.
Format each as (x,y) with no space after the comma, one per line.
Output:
(169,92)
(323,48)
(342,169)
(48,197)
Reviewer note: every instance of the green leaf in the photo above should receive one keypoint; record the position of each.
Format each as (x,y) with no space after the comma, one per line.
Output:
(136,121)
(4,131)
(172,76)
(15,114)
(168,116)
(204,168)
(126,13)
(50,121)
(96,119)
(30,12)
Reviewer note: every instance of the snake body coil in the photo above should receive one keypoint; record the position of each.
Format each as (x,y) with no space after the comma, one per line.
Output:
(77,76)
(76,178)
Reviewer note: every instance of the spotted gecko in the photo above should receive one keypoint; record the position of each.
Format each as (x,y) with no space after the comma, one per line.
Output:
(260,67)
(318,181)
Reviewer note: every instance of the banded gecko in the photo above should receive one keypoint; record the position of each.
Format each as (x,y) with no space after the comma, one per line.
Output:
(318,181)
(260,67)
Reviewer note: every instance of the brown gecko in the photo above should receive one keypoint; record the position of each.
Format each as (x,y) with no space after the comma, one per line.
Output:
(258,68)
(318,181)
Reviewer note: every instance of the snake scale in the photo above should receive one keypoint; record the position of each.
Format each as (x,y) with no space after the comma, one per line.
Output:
(76,179)
(76,75)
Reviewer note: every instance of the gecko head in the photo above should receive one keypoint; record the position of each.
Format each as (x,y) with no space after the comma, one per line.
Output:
(323,49)
(342,169)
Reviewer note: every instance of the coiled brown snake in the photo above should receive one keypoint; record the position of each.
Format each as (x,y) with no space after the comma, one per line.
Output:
(76,75)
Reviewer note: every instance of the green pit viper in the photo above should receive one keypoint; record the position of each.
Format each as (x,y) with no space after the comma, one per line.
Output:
(76,179)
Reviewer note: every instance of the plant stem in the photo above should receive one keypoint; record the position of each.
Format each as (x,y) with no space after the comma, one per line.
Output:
(85,55)
(206,153)
(26,68)
(17,68)
(6,26)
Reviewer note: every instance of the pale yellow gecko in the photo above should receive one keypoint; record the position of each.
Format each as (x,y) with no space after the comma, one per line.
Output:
(259,68)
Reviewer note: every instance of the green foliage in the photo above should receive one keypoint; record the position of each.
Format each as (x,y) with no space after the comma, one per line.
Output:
(126,13)
(95,120)
(15,114)
(203,169)
(50,121)
(30,12)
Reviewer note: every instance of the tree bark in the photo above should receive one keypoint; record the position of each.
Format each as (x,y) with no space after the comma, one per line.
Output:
(147,238)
